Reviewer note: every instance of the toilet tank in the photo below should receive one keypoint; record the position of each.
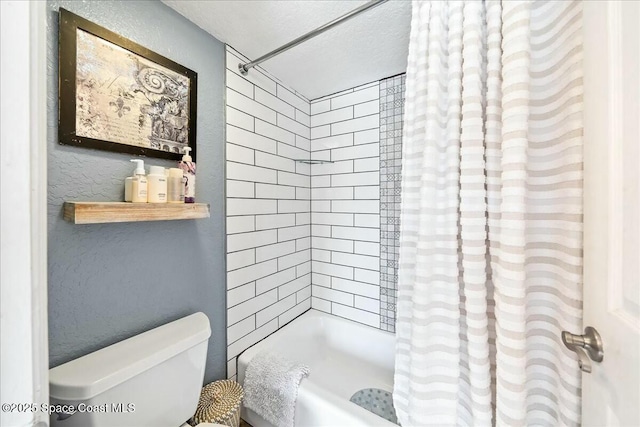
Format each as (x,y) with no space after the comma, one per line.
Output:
(152,379)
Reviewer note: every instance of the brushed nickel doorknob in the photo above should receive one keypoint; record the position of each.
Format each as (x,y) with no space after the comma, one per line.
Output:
(587,346)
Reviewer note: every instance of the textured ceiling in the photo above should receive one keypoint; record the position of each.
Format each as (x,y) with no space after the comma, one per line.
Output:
(371,46)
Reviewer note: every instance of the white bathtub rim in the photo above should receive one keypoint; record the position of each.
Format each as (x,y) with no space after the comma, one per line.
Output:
(311,393)
(305,317)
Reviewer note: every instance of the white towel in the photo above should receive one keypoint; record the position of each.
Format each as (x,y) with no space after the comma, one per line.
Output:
(271,387)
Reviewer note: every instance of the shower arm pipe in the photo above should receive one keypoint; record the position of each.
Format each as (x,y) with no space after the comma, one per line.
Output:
(244,68)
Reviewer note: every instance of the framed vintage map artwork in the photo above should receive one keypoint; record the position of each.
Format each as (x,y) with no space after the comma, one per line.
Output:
(117,95)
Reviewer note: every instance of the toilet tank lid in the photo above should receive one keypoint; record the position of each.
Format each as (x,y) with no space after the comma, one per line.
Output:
(97,372)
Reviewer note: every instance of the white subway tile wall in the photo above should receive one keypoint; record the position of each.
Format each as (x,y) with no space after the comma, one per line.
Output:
(268,206)
(300,236)
(345,207)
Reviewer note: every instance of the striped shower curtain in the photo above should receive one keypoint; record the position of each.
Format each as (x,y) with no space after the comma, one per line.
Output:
(491,222)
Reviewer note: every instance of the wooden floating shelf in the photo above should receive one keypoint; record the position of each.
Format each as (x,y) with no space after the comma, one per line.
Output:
(106,212)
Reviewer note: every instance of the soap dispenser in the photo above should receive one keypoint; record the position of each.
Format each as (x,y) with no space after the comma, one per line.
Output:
(188,167)
(139,183)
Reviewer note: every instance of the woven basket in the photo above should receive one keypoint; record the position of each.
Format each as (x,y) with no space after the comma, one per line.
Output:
(219,403)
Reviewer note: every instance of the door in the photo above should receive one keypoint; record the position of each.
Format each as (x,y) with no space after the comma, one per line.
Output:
(24,356)
(611,392)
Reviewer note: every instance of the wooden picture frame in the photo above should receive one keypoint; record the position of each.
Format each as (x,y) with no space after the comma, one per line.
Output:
(117,95)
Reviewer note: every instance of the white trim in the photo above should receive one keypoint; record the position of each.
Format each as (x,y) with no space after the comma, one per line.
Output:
(24,333)
(39,232)
(614,299)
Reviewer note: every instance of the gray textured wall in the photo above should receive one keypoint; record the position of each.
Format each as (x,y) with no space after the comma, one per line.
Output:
(110,282)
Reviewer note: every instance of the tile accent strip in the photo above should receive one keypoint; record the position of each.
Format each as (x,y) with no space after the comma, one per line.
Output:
(391,120)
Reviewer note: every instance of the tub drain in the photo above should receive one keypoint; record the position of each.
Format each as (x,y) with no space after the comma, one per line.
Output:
(377,401)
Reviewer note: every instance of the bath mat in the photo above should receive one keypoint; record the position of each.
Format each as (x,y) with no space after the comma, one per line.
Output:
(380,402)
(271,387)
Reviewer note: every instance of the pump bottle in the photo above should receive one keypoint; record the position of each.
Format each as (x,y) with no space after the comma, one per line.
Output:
(139,183)
(188,167)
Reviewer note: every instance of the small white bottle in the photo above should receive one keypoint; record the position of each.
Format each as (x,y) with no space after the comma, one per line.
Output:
(157,185)
(175,192)
(188,167)
(127,189)
(139,183)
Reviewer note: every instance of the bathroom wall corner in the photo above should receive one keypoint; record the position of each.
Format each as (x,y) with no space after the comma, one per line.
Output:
(268,202)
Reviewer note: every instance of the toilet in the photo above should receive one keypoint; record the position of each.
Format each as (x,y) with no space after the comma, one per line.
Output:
(149,380)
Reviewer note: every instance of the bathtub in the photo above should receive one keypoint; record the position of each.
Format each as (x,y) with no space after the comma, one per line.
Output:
(344,357)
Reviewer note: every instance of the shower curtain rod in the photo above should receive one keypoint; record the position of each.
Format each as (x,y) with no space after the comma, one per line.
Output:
(244,68)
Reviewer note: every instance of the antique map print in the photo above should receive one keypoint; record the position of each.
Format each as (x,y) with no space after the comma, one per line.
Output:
(122,97)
